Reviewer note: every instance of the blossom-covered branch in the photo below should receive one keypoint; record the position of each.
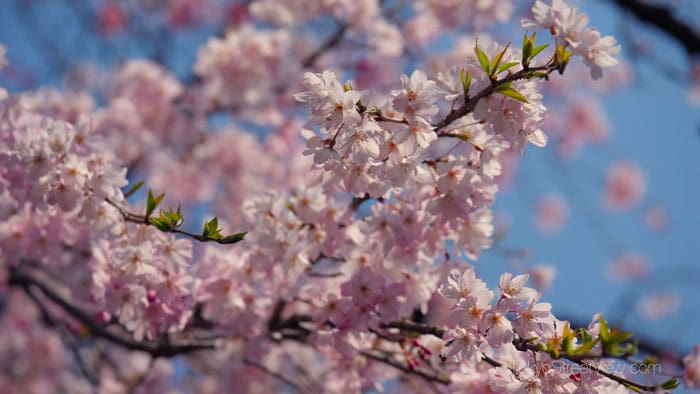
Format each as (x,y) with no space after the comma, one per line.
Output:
(155,348)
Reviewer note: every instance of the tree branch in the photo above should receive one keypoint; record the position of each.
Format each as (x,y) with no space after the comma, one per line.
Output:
(146,221)
(471,102)
(154,348)
(332,41)
(663,18)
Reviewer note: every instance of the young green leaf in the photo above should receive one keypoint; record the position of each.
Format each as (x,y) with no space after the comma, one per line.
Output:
(173,217)
(503,67)
(211,229)
(483,59)
(466,78)
(514,94)
(152,202)
(562,57)
(604,331)
(464,136)
(536,50)
(497,60)
(504,86)
(528,42)
(670,384)
(234,238)
(162,225)
(134,189)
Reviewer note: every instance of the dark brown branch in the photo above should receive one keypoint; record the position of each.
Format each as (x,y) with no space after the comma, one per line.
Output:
(154,348)
(663,18)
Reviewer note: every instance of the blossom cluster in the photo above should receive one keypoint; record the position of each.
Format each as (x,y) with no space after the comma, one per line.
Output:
(59,179)
(483,329)
(568,26)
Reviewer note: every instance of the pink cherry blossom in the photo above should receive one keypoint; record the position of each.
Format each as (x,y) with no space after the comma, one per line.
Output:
(625,185)
(551,213)
(658,305)
(692,368)
(629,266)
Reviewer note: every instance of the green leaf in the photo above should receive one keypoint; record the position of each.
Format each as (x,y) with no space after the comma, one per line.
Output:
(562,57)
(504,86)
(528,42)
(506,66)
(134,189)
(538,74)
(514,94)
(464,136)
(497,60)
(152,202)
(173,217)
(604,329)
(670,384)
(466,79)
(211,229)
(483,59)
(161,225)
(234,238)
(536,51)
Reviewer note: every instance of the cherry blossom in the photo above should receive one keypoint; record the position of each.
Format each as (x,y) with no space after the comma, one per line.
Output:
(625,185)
(551,213)
(692,368)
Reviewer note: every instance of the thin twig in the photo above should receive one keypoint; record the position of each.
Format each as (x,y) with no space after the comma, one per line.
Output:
(142,219)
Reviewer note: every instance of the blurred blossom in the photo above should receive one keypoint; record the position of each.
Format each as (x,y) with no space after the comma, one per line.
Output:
(656,306)
(374,71)
(586,122)
(551,213)
(656,218)
(625,185)
(111,18)
(542,276)
(421,29)
(692,368)
(628,266)
(187,13)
